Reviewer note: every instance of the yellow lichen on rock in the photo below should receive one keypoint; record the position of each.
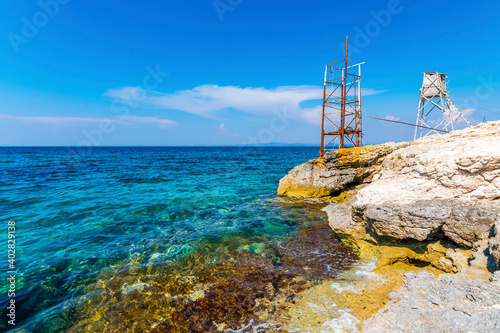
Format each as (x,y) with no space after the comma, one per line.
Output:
(445,257)
(300,191)
(338,171)
(305,192)
(344,196)
(353,155)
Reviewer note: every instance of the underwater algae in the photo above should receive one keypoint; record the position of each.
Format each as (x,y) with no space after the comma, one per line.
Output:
(233,284)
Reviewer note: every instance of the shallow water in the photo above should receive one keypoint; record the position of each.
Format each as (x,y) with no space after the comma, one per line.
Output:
(161,239)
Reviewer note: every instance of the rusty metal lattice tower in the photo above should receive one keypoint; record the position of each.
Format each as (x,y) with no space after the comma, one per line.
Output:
(341,105)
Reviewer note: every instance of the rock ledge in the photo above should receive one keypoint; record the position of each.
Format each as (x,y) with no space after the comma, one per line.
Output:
(433,203)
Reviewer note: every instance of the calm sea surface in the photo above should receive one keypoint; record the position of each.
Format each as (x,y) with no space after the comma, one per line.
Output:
(159,239)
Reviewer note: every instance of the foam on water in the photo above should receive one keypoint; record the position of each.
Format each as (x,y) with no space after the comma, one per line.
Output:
(254,328)
(345,323)
(318,303)
(361,271)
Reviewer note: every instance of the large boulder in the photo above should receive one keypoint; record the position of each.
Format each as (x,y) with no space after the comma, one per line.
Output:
(463,222)
(339,170)
(439,186)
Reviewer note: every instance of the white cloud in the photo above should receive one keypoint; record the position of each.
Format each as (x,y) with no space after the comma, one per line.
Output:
(55,120)
(221,128)
(392,118)
(162,123)
(66,121)
(468,112)
(313,115)
(206,100)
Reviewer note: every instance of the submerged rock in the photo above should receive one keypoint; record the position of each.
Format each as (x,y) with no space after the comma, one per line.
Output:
(138,286)
(224,285)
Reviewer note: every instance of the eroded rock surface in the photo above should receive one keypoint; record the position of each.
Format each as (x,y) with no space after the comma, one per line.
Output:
(439,186)
(339,170)
(448,303)
(494,243)
(433,203)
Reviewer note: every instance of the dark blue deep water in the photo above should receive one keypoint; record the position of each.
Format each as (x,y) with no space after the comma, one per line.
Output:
(100,235)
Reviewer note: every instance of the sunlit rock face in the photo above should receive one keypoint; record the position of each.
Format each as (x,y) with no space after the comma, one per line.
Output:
(430,204)
(339,171)
(439,186)
(443,304)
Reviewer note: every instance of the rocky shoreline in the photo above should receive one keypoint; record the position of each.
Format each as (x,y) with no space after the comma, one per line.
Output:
(428,205)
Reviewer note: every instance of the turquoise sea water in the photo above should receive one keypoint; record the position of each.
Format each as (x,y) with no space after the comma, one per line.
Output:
(100,235)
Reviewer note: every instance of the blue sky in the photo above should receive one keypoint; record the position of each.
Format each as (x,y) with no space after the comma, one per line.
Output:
(231,71)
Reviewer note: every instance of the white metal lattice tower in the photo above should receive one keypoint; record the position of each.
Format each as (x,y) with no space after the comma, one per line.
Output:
(434,97)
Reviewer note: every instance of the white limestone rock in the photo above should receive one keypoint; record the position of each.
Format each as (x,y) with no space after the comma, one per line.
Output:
(438,186)
(448,303)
